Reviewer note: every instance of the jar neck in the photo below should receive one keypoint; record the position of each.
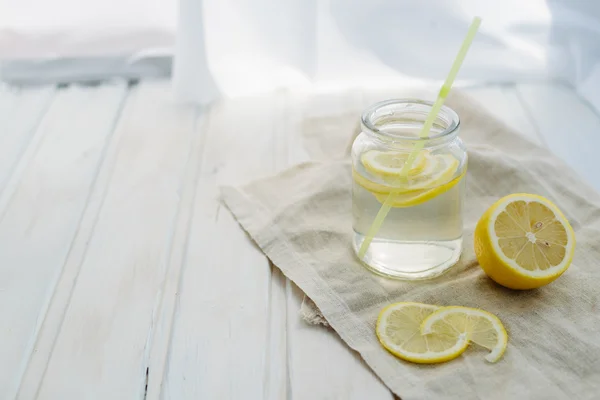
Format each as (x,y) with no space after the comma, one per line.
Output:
(398,123)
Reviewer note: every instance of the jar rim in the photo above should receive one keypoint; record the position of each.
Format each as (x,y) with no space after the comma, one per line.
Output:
(368,122)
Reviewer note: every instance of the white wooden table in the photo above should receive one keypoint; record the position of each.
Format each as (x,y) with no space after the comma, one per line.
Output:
(117,278)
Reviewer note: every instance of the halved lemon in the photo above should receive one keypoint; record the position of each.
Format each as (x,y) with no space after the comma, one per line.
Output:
(480,327)
(399,331)
(391,162)
(524,241)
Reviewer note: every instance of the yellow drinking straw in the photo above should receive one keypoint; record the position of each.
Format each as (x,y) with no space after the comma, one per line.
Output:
(444,90)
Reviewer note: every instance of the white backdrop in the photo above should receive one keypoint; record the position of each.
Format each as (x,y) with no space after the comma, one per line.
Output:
(240,47)
(46,29)
(256,45)
(73,40)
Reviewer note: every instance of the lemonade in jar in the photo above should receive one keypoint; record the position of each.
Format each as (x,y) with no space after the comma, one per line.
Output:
(421,236)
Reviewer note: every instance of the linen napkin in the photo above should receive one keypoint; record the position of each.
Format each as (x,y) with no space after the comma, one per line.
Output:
(301,219)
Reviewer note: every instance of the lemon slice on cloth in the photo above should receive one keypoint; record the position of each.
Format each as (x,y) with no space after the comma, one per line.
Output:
(524,241)
(480,327)
(399,331)
(387,163)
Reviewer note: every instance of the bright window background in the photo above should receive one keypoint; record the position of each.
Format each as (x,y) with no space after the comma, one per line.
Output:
(241,47)
(37,29)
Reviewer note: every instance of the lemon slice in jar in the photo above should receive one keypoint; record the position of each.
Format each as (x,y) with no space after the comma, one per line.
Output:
(391,163)
(439,171)
(431,177)
(415,197)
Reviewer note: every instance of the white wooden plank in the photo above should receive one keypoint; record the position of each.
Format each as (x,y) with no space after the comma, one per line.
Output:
(220,343)
(161,339)
(101,351)
(313,350)
(20,112)
(42,215)
(568,125)
(502,101)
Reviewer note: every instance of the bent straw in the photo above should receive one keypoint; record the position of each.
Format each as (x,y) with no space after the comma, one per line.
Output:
(444,90)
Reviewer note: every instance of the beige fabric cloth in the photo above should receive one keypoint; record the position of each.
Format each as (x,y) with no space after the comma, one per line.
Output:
(301,219)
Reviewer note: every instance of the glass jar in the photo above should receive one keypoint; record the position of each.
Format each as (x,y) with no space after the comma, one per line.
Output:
(421,236)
